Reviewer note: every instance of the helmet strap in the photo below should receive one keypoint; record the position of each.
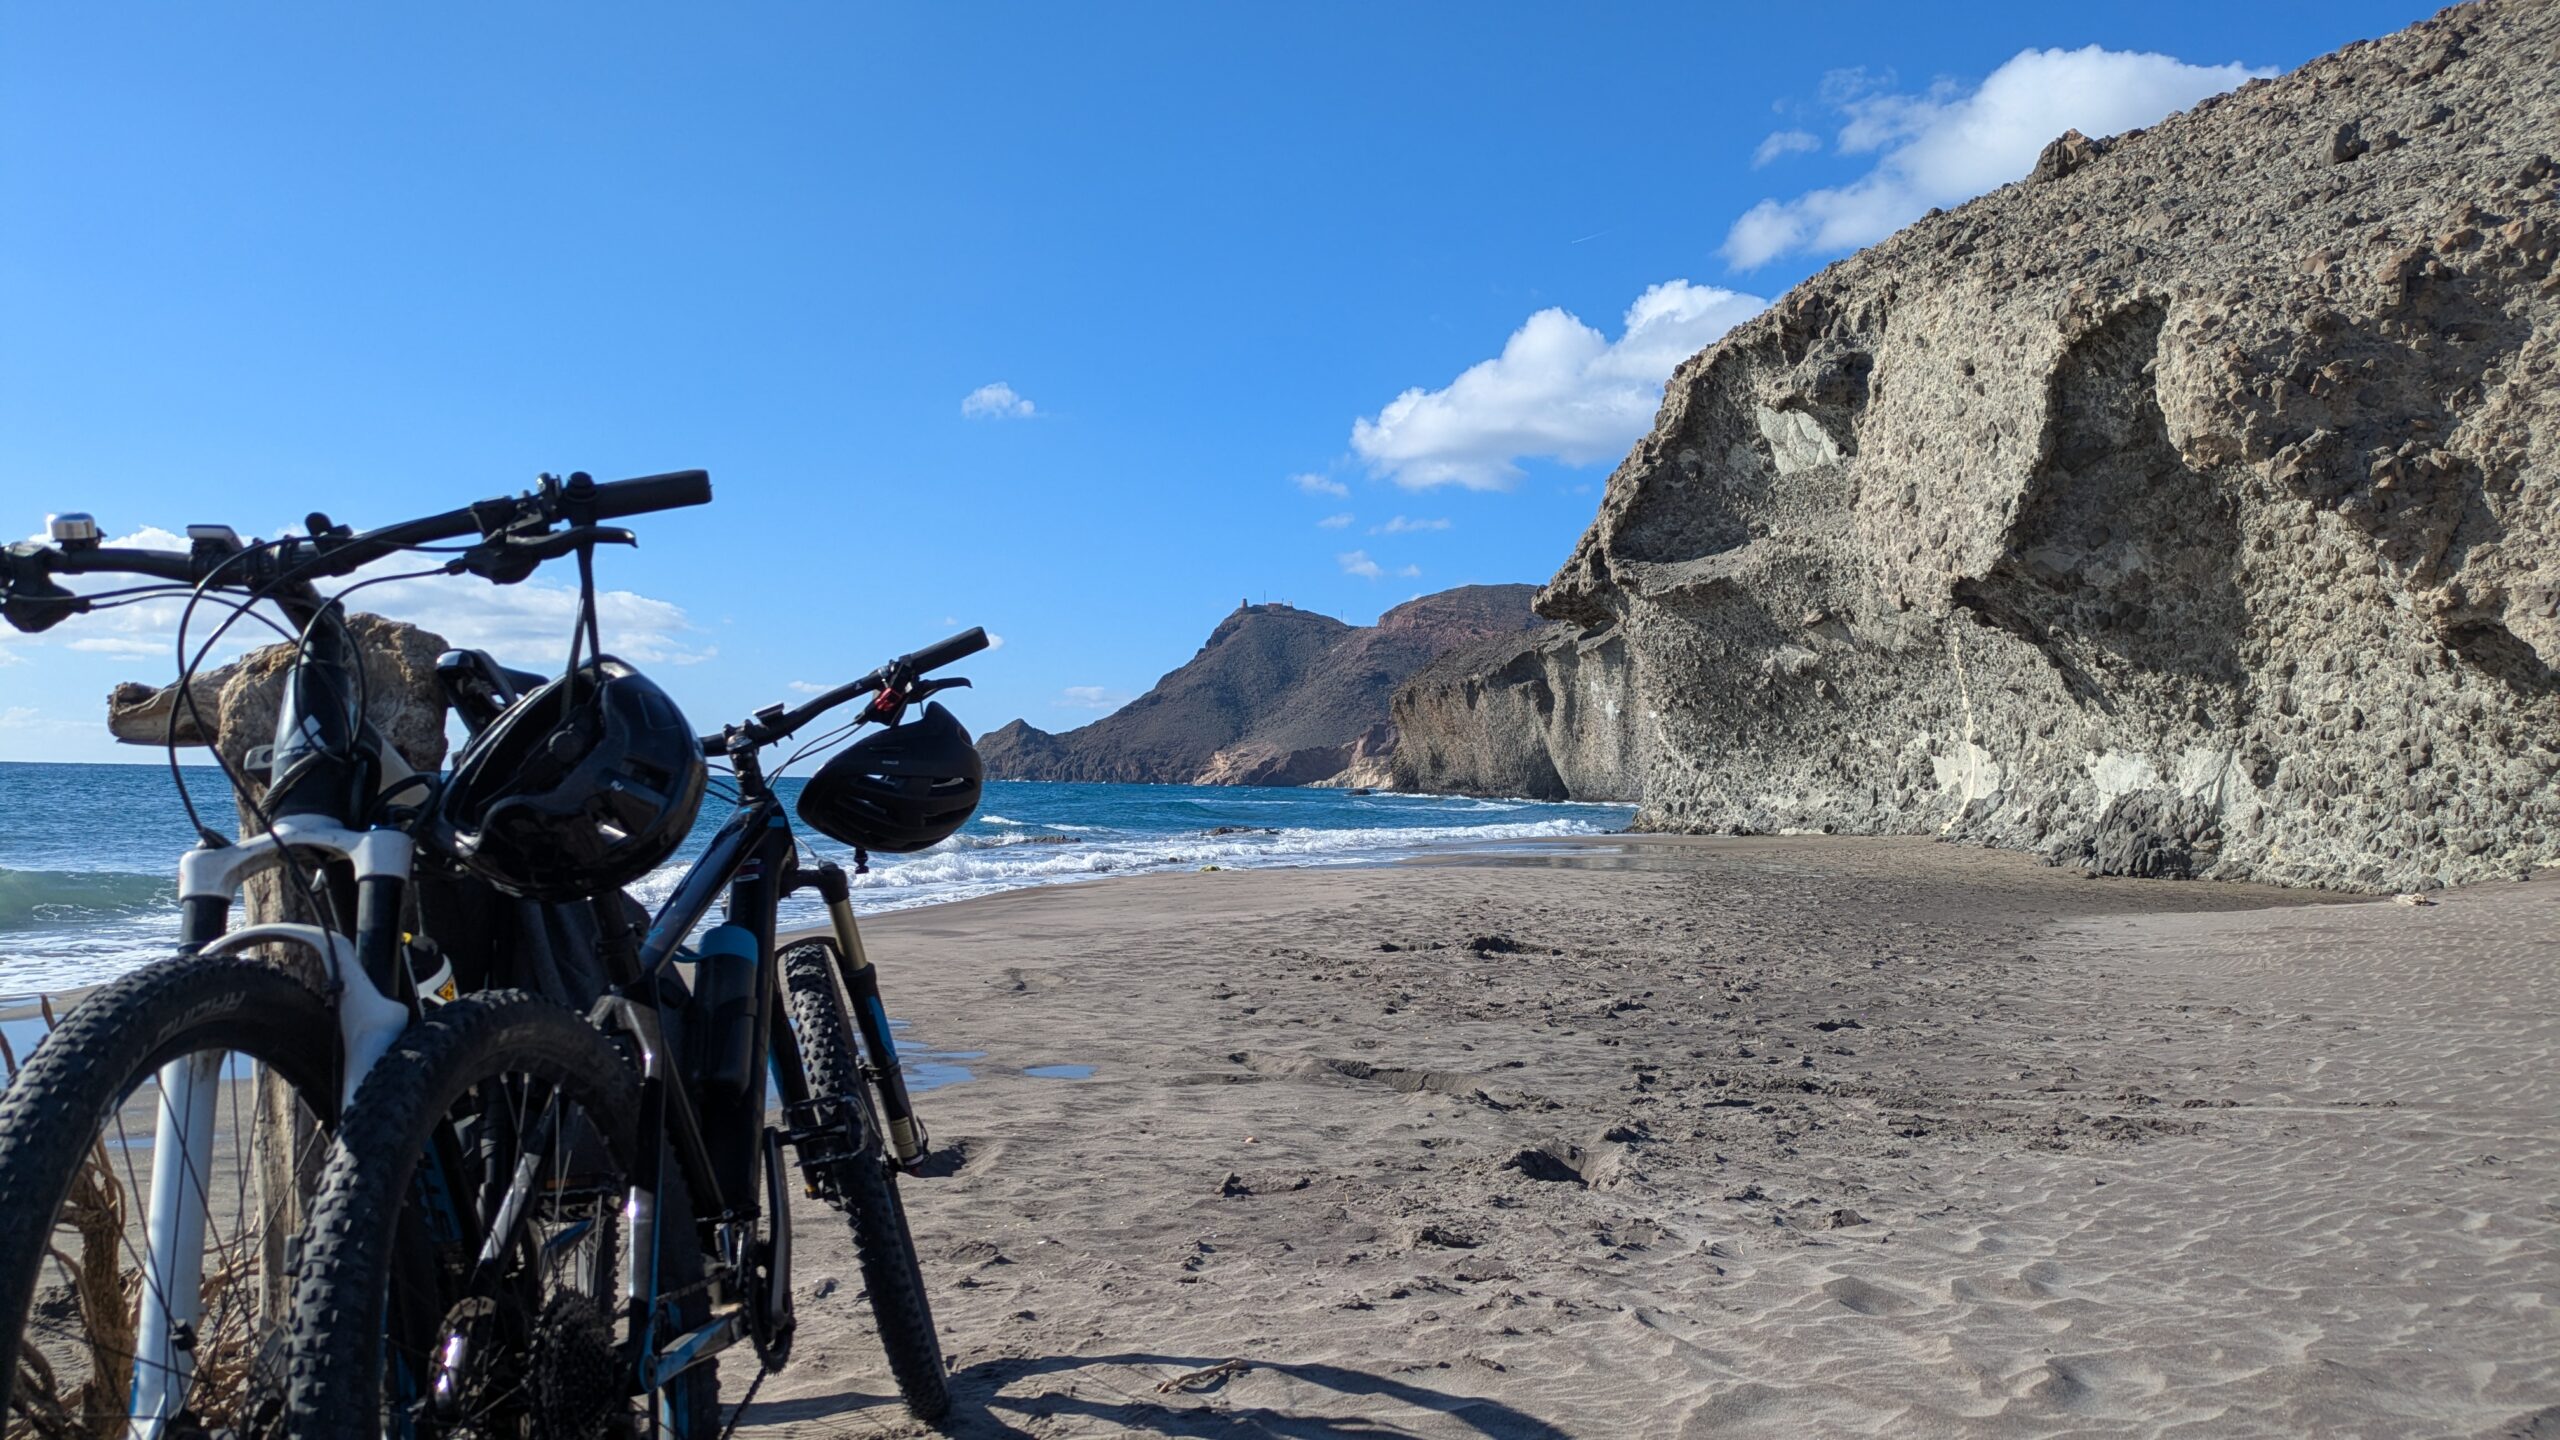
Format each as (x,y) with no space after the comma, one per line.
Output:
(579,507)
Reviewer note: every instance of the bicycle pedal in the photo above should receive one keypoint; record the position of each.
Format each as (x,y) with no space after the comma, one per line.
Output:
(824,1134)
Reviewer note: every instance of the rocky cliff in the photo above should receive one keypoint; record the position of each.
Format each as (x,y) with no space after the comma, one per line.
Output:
(2185,508)
(1278,696)
(1547,716)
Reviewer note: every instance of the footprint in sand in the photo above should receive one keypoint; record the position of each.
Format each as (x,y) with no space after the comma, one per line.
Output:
(1864,1298)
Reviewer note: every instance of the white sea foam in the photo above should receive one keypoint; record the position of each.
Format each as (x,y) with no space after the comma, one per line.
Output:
(967,867)
(952,871)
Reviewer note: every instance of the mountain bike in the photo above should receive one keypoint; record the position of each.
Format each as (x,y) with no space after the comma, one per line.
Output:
(157,1149)
(460,1146)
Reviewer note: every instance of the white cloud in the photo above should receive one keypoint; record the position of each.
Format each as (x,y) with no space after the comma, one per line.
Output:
(994,641)
(1559,389)
(527,625)
(996,402)
(1357,562)
(131,649)
(1946,146)
(1090,697)
(1318,485)
(1402,526)
(1335,522)
(1409,571)
(1783,143)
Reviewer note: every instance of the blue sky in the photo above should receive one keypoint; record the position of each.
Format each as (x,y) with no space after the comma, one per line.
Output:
(376,261)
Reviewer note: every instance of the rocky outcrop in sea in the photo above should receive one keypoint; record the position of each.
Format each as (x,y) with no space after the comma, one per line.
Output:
(2189,507)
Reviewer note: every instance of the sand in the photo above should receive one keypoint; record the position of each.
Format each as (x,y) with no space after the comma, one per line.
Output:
(1720,1137)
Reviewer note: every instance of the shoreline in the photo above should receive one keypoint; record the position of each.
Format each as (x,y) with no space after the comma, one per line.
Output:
(1551,850)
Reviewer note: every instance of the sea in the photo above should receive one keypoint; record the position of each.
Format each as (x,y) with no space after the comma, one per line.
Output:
(88,853)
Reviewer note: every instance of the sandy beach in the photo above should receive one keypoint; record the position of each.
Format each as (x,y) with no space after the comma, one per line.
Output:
(1729,1137)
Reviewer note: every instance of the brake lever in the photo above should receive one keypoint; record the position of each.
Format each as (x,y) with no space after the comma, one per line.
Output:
(890,705)
(505,559)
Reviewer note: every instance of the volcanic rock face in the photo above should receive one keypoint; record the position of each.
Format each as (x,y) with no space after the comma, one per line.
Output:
(1547,716)
(2192,507)
(1278,696)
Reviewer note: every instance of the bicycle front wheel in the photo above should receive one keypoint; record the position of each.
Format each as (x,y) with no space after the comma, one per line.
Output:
(864,1184)
(462,1265)
(155,1157)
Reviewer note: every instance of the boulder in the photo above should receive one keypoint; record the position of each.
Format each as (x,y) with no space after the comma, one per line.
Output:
(235,705)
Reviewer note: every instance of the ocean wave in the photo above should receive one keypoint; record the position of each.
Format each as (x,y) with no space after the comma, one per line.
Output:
(54,899)
(1005,840)
(989,868)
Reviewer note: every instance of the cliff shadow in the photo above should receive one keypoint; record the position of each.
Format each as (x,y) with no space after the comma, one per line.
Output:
(2121,556)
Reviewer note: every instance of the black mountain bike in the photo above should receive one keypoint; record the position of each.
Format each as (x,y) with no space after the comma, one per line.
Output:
(452,1281)
(157,1150)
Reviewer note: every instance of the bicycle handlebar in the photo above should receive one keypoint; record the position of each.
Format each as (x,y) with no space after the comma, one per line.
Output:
(650,493)
(943,652)
(905,669)
(29,568)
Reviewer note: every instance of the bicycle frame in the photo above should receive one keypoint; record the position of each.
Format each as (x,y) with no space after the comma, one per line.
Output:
(722,1142)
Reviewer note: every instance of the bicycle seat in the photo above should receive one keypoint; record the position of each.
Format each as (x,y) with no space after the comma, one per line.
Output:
(478,687)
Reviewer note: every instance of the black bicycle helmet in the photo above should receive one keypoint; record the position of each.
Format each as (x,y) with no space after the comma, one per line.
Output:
(577,789)
(900,789)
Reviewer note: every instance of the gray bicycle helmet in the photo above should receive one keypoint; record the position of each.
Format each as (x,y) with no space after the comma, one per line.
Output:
(899,789)
(577,789)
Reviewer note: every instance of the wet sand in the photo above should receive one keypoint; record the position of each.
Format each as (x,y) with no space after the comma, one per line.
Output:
(1720,1137)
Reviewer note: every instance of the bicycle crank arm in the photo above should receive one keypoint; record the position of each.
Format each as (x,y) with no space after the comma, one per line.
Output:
(769,1273)
(691,1349)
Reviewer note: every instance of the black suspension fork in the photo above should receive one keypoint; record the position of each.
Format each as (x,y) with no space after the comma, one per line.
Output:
(202,918)
(378,934)
(870,1018)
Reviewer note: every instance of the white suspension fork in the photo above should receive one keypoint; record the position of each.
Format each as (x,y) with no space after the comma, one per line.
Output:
(182,1155)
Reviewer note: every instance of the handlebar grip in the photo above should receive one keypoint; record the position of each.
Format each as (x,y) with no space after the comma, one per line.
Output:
(944,652)
(671,491)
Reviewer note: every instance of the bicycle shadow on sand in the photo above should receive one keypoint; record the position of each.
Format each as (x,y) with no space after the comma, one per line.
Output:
(1155,1405)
